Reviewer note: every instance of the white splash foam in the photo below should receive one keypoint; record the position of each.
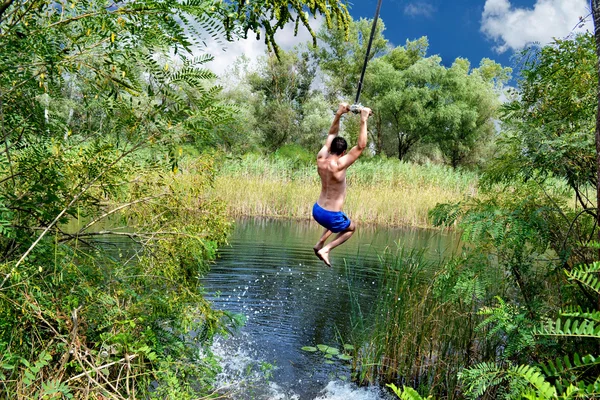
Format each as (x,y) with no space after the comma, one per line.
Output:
(336,390)
(241,375)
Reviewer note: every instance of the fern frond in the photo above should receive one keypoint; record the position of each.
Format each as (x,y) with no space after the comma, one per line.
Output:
(564,367)
(570,328)
(481,377)
(587,275)
(536,379)
(577,312)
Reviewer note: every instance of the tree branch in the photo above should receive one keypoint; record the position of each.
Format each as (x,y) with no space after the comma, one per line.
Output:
(75,198)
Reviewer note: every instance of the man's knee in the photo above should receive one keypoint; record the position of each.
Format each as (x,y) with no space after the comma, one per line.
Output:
(351,227)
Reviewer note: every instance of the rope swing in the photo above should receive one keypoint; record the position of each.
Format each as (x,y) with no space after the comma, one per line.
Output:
(355,108)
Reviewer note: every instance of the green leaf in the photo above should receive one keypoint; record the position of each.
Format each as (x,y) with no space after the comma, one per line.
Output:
(309,348)
(322,347)
(29,375)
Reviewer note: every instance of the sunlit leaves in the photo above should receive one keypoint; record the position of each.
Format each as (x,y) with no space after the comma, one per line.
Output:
(549,128)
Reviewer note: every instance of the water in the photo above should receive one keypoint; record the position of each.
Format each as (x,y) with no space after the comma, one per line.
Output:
(290,299)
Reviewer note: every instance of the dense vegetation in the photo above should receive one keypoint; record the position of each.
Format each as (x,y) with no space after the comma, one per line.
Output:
(518,309)
(99,103)
(534,332)
(423,110)
(96,100)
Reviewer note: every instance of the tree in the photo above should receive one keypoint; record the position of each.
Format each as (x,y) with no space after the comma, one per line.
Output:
(342,56)
(315,123)
(547,129)
(420,101)
(469,100)
(96,99)
(281,86)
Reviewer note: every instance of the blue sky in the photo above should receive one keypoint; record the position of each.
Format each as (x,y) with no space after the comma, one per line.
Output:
(471,29)
(475,29)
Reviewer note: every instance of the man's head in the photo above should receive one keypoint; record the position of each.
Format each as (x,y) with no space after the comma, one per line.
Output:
(338,146)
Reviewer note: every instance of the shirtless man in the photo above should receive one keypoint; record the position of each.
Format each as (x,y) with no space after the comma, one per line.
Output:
(332,162)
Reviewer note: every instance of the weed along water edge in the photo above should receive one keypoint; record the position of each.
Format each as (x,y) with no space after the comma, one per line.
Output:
(296,342)
(384,192)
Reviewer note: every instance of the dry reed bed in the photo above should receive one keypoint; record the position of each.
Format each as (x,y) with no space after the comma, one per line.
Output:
(386,192)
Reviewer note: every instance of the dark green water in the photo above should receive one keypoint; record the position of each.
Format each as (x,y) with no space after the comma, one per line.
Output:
(290,299)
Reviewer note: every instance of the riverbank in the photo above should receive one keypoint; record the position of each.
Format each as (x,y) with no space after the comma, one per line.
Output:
(385,192)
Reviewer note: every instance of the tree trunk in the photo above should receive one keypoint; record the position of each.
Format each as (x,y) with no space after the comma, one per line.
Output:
(379,140)
(401,146)
(596,16)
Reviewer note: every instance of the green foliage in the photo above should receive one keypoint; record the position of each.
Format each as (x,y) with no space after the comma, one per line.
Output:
(510,327)
(547,129)
(425,102)
(566,377)
(439,299)
(514,382)
(240,17)
(297,154)
(416,99)
(515,225)
(407,393)
(97,102)
(343,54)
(284,108)
(128,315)
(586,275)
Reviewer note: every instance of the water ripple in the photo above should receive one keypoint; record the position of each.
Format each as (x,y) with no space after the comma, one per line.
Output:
(290,299)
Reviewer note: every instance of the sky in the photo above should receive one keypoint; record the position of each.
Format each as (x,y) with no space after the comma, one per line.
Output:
(471,29)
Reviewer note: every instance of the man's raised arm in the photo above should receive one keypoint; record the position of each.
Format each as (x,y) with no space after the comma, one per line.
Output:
(334,130)
(361,144)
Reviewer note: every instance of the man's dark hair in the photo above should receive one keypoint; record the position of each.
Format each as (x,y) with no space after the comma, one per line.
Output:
(338,146)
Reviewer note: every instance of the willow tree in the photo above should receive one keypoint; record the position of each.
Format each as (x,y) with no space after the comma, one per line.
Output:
(420,101)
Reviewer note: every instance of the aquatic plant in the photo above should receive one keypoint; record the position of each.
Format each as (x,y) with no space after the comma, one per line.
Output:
(331,353)
(423,326)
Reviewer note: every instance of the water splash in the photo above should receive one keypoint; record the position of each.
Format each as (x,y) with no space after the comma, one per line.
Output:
(336,390)
(245,376)
(289,300)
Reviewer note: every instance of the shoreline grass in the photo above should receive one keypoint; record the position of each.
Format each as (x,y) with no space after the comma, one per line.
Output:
(383,192)
(424,327)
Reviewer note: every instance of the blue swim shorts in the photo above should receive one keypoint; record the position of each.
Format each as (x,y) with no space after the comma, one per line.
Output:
(335,221)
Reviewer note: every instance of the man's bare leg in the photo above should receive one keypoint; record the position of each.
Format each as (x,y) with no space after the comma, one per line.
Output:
(321,243)
(323,254)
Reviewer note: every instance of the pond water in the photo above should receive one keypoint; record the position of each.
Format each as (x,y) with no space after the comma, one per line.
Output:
(269,274)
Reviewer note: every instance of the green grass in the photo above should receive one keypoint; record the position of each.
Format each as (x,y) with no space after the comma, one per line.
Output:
(387,192)
(423,327)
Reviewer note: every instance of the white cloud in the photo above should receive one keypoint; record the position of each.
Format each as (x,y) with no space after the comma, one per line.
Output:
(515,28)
(419,9)
(226,53)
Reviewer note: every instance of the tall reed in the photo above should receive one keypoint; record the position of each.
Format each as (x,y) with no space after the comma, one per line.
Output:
(422,329)
(380,191)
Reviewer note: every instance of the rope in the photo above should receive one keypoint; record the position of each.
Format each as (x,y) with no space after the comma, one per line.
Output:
(364,68)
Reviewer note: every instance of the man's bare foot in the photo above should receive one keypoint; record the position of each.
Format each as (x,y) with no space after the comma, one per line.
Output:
(324,255)
(316,249)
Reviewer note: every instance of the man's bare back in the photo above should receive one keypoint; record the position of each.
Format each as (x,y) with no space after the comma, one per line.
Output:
(333,184)
(332,162)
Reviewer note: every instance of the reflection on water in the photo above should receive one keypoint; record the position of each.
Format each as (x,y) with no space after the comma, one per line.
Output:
(290,299)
